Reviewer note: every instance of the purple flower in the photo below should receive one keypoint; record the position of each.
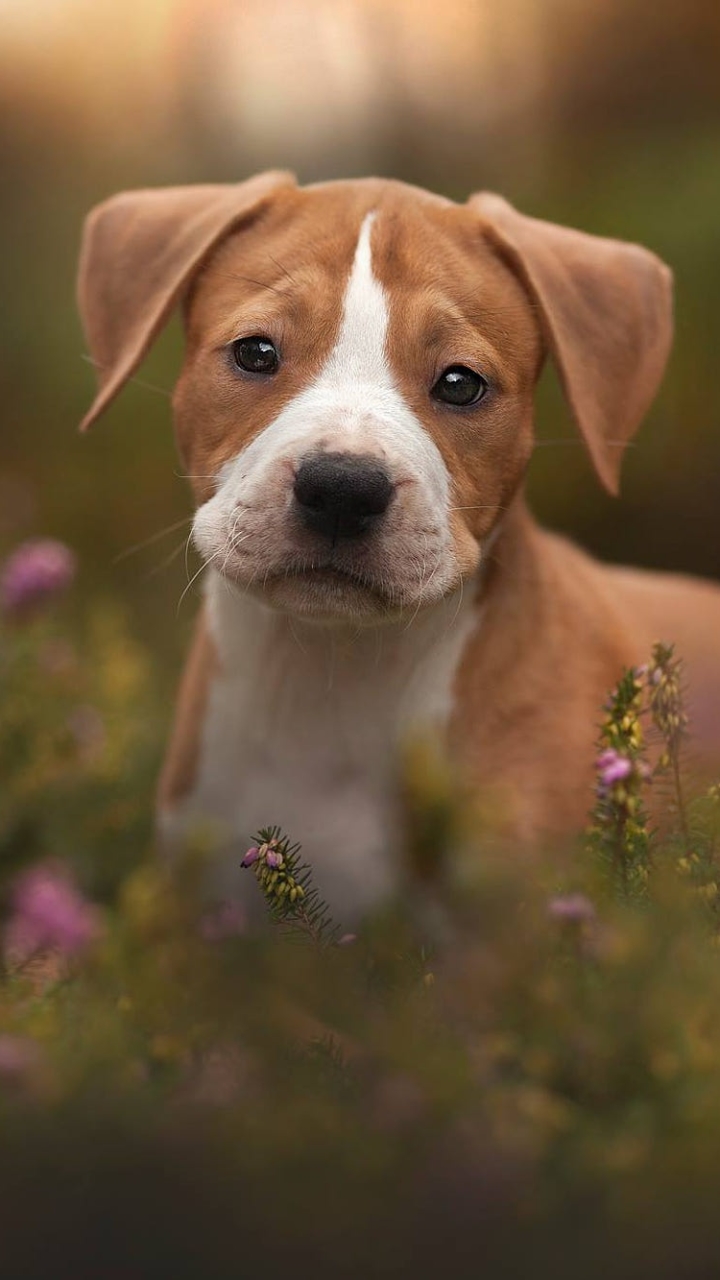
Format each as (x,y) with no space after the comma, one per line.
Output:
(49,913)
(251,856)
(18,1054)
(612,767)
(226,920)
(35,573)
(575,908)
(273,859)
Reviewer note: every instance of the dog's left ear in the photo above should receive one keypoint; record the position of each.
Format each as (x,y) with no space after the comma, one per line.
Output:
(140,252)
(605,309)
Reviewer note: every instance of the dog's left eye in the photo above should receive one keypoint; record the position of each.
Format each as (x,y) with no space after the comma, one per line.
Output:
(460,385)
(255,355)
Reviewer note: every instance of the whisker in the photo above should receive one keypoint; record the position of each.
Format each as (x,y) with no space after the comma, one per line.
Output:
(261,284)
(284,270)
(166,562)
(187,553)
(614,444)
(459,604)
(190,583)
(139,382)
(155,537)
(482,506)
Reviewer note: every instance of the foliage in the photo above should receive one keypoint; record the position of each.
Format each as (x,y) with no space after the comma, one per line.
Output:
(183,1097)
(286,883)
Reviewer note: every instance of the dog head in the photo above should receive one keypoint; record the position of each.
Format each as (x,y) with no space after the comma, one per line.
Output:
(356,401)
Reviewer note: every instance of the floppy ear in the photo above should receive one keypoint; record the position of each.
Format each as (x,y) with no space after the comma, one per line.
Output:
(140,250)
(605,309)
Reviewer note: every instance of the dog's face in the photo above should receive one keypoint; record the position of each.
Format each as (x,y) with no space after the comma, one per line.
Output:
(358,387)
(355,407)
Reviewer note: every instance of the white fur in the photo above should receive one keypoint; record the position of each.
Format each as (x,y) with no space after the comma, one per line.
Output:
(304,728)
(354,405)
(305,723)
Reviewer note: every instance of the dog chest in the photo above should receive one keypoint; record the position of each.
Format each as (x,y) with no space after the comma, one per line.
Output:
(302,728)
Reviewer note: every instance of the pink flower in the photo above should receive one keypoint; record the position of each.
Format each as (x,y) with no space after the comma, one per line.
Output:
(273,859)
(251,856)
(18,1055)
(49,913)
(34,574)
(612,767)
(226,920)
(575,908)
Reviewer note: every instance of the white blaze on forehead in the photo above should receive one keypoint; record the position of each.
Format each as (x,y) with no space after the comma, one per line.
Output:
(354,405)
(360,353)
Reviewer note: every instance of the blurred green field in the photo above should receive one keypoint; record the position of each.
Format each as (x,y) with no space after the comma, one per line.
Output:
(516,1074)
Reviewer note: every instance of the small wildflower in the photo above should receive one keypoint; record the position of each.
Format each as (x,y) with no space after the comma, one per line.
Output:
(49,913)
(35,574)
(666,698)
(575,908)
(619,830)
(226,920)
(612,767)
(286,885)
(347,939)
(667,708)
(18,1055)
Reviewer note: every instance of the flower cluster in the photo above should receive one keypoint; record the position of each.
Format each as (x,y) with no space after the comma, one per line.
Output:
(287,886)
(272,871)
(619,830)
(665,699)
(35,574)
(49,914)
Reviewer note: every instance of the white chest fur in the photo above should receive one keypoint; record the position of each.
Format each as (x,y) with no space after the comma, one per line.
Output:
(302,729)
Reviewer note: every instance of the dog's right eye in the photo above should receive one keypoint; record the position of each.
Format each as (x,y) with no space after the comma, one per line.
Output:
(256,355)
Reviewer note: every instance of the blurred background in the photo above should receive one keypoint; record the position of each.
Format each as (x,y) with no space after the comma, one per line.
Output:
(604,114)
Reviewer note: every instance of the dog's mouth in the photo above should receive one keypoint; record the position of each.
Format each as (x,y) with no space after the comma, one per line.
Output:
(331,579)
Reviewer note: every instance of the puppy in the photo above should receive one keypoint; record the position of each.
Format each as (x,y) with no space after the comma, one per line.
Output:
(355,411)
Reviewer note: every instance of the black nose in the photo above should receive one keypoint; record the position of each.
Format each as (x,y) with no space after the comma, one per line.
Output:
(340,495)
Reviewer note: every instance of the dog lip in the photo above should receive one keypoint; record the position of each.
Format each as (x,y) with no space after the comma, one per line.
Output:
(332,573)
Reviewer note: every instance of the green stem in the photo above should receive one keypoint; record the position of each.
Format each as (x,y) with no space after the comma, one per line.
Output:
(680,799)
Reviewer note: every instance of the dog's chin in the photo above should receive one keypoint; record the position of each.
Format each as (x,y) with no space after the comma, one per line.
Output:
(329,594)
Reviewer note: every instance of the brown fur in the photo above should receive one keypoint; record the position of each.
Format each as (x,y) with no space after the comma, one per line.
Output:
(478,284)
(182,755)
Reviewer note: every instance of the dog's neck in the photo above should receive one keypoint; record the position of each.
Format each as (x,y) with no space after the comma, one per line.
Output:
(299,657)
(305,722)
(301,664)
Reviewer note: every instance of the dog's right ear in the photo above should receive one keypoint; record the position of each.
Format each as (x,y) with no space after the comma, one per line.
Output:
(140,250)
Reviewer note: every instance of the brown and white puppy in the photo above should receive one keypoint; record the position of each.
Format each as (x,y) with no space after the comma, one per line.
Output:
(355,411)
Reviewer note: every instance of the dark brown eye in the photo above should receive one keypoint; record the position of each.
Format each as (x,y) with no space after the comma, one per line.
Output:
(459,385)
(256,355)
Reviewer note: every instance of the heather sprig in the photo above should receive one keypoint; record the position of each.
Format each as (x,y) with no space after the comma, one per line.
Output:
(619,830)
(287,886)
(667,709)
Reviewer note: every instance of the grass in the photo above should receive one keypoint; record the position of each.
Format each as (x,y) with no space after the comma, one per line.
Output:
(513,1070)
